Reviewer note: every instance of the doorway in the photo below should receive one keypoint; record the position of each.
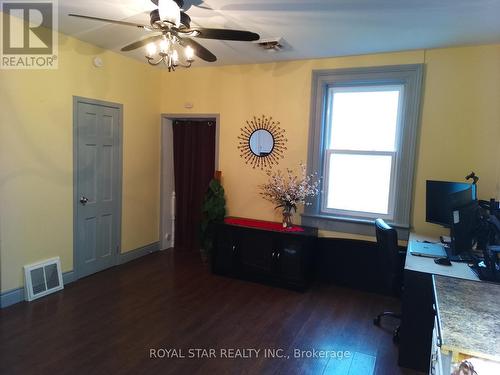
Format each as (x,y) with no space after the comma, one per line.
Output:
(189,158)
(97,151)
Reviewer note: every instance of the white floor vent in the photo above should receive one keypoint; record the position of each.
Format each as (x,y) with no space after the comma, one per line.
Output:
(42,278)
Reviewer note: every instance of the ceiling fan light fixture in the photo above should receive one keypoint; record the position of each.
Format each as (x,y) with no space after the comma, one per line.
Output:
(167,52)
(169,12)
(172,44)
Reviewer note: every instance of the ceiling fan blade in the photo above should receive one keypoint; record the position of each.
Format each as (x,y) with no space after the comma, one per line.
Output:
(199,50)
(224,34)
(195,3)
(141,43)
(124,23)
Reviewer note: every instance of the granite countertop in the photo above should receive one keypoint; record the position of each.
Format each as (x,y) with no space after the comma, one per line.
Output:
(469,316)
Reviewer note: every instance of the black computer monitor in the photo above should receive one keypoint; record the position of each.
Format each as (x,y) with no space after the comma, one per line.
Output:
(440,198)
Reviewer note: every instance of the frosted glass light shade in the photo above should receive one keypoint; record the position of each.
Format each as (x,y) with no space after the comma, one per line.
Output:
(151,49)
(169,12)
(189,52)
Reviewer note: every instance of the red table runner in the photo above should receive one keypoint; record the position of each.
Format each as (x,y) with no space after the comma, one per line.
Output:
(269,225)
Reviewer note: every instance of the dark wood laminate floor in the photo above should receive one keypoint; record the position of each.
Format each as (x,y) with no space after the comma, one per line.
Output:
(108,323)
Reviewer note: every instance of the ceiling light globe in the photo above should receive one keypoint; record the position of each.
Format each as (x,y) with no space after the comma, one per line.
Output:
(151,49)
(175,56)
(189,52)
(169,12)
(164,45)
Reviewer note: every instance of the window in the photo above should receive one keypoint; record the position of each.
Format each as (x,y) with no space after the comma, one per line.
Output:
(362,140)
(360,150)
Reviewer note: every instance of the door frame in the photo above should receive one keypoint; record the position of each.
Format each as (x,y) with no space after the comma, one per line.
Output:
(119,107)
(166,165)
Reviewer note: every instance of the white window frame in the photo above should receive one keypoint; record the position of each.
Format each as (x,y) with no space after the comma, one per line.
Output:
(329,151)
(409,77)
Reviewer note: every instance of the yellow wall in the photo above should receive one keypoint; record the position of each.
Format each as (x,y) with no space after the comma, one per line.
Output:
(36,153)
(460,118)
(460,131)
(460,123)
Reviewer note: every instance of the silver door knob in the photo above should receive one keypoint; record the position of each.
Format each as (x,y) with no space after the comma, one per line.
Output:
(83,200)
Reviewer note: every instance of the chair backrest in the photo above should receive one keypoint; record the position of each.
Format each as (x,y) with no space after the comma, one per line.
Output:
(388,255)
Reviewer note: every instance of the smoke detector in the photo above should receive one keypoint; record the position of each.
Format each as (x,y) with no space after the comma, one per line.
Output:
(271,45)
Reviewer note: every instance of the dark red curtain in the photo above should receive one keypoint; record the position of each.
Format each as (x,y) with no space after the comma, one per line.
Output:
(194,167)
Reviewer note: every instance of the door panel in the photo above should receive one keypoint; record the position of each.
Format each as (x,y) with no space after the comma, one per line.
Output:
(290,259)
(98,184)
(224,250)
(255,251)
(88,172)
(89,239)
(107,179)
(107,235)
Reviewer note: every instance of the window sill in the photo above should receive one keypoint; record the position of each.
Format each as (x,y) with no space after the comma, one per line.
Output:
(361,226)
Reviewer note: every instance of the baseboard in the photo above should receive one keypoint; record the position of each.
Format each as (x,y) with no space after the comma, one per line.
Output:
(140,252)
(68,277)
(11,297)
(14,296)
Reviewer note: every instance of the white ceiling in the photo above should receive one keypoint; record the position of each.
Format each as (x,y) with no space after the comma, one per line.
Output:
(310,29)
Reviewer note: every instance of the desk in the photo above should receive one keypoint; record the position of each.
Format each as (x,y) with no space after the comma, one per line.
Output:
(427,265)
(417,304)
(468,323)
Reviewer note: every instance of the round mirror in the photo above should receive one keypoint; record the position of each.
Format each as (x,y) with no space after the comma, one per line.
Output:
(261,142)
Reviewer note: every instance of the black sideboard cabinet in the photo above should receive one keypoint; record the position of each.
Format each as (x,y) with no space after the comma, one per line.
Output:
(277,257)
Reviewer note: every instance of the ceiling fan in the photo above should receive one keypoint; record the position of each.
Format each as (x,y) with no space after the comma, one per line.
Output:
(171,26)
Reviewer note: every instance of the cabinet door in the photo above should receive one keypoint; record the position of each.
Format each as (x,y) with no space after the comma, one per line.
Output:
(434,367)
(292,259)
(255,251)
(223,257)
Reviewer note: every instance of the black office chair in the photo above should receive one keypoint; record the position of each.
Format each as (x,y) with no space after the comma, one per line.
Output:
(391,265)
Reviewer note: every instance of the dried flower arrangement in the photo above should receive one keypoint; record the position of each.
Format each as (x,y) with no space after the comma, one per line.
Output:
(287,190)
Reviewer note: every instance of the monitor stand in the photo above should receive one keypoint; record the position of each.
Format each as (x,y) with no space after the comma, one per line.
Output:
(462,258)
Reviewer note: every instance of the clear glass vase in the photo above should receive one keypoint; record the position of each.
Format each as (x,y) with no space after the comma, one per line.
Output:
(287,216)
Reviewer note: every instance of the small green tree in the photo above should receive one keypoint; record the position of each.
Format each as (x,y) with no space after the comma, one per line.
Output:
(213,211)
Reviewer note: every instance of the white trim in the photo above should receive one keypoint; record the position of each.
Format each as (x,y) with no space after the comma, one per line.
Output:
(361,88)
(409,77)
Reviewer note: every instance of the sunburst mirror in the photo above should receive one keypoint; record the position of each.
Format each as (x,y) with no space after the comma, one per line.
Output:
(262,142)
